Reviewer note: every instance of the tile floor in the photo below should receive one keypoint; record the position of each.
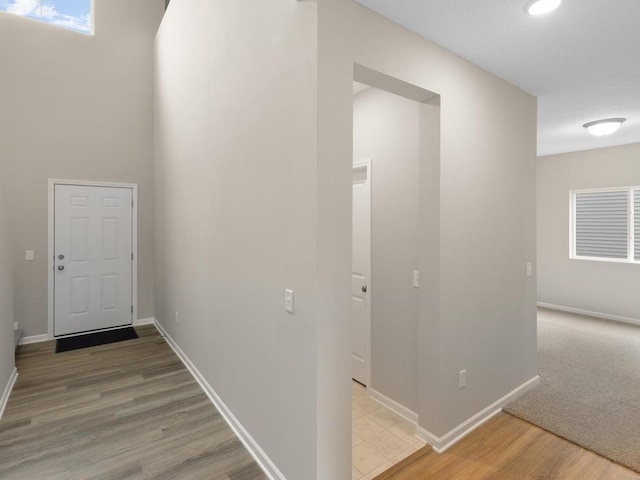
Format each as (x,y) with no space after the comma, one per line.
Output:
(380,438)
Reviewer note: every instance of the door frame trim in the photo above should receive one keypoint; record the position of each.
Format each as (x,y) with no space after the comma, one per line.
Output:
(368,163)
(50,247)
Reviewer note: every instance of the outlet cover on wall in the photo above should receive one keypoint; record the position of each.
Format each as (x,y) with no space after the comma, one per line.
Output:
(529,269)
(29,255)
(462,379)
(288,301)
(16,327)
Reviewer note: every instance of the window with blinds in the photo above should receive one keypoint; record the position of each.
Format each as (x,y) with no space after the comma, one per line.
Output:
(606,224)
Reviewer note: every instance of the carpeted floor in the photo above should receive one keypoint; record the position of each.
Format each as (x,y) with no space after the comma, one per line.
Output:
(590,389)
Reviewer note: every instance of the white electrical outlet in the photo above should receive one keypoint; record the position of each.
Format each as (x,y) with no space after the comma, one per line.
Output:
(529,269)
(29,255)
(288,301)
(462,379)
(16,327)
(416,279)
(177,317)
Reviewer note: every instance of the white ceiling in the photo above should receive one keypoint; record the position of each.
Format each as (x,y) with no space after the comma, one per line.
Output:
(582,61)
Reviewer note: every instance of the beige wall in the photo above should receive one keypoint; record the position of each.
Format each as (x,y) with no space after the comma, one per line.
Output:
(386,129)
(75,107)
(599,287)
(254,145)
(483,304)
(236,210)
(245,209)
(6,299)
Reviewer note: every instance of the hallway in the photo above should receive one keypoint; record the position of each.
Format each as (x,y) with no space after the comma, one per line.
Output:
(124,410)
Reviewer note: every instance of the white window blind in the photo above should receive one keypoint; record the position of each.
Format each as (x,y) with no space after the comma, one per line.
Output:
(636,222)
(602,224)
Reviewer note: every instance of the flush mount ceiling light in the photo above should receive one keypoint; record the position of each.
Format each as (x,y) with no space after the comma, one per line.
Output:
(540,7)
(607,126)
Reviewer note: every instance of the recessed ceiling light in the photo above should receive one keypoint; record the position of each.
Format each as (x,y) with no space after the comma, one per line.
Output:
(540,7)
(607,126)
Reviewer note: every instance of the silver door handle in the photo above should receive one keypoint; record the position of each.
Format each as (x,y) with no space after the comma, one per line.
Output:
(60,267)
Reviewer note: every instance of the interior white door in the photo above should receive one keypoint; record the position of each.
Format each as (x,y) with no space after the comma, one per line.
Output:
(93,263)
(361,273)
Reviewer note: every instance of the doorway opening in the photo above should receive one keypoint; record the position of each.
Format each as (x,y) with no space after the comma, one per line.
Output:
(92,256)
(394,127)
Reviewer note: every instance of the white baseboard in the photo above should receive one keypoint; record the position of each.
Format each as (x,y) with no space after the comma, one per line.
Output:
(45,338)
(441,444)
(249,442)
(34,339)
(395,407)
(589,313)
(7,391)
(144,321)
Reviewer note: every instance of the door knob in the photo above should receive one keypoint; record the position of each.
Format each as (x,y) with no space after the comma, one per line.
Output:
(60,267)
(60,257)
(364,289)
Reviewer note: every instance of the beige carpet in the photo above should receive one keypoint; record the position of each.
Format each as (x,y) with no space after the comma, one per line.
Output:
(590,389)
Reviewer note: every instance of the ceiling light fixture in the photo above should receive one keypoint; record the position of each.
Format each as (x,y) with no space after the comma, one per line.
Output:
(540,7)
(607,126)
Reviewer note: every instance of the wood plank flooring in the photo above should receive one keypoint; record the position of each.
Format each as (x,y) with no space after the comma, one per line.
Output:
(127,410)
(131,411)
(506,448)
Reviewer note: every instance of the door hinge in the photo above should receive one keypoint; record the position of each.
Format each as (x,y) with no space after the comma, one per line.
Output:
(131,308)
(131,203)
(132,256)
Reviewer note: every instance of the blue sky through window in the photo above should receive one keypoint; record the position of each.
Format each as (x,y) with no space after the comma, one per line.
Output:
(71,14)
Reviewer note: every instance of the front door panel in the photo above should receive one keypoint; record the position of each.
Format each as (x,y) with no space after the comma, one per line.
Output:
(93,262)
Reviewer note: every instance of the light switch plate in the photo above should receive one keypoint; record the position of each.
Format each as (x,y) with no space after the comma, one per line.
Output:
(529,269)
(29,255)
(288,301)
(416,279)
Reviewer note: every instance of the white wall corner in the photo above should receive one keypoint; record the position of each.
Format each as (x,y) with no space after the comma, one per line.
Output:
(589,313)
(400,410)
(7,391)
(248,441)
(34,339)
(144,321)
(442,444)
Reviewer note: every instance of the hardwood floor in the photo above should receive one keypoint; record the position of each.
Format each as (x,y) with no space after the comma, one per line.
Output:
(128,410)
(131,411)
(506,448)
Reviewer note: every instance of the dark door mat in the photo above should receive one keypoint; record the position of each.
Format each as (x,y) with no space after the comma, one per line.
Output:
(94,339)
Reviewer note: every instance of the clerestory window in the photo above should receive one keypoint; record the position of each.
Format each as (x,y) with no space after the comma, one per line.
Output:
(70,14)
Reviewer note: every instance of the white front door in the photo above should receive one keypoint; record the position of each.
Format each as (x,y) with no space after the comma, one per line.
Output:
(361,273)
(93,261)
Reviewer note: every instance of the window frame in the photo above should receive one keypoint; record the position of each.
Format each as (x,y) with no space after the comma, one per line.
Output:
(42,20)
(631,192)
